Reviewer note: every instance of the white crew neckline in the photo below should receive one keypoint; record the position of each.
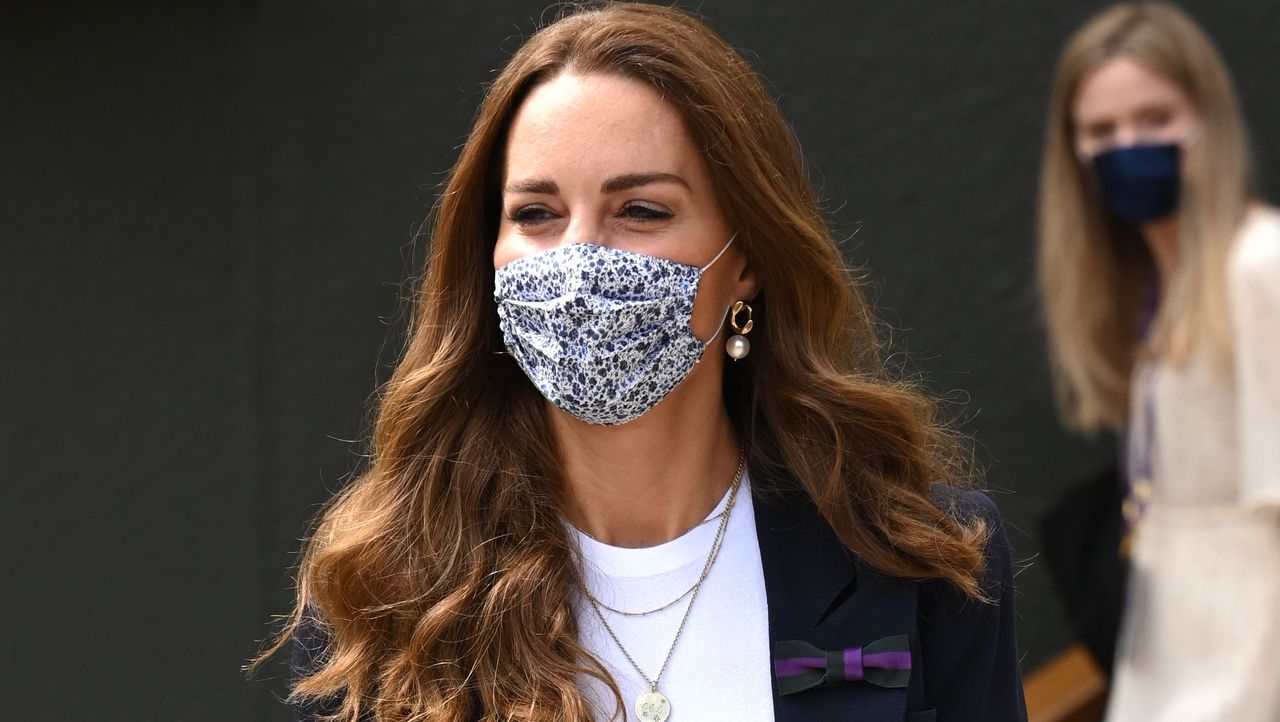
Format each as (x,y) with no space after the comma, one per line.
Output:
(638,562)
(719,665)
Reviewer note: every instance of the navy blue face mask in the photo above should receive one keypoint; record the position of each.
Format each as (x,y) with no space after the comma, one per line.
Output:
(1140,183)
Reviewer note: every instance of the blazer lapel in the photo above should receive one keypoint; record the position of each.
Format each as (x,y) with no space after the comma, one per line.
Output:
(819,594)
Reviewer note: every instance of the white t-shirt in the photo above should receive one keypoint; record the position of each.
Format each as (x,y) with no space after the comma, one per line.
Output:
(720,669)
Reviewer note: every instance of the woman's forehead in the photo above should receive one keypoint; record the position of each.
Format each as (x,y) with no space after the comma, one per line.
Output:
(598,125)
(1121,85)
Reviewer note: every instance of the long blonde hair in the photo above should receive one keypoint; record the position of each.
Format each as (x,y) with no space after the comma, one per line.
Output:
(1094,270)
(443,577)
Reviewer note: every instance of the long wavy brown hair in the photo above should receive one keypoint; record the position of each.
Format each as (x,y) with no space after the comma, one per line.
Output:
(1093,269)
(444,577)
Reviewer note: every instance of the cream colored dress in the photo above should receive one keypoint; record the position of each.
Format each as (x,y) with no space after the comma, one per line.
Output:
(1201,639)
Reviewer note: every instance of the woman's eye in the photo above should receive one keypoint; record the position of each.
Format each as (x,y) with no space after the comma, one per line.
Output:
(644,212)
(530,215)
(1099,131)
(1156,119)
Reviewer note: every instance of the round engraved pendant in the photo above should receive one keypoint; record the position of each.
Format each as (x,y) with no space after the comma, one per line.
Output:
(652,707)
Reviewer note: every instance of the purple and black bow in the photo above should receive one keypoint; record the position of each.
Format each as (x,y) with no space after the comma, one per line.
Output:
(885,662)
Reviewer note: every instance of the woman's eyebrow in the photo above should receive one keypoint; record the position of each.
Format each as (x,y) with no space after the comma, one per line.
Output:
(626,182)
(616,184)
(540,186)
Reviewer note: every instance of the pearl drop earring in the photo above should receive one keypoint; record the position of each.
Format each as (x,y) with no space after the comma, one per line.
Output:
(738,346)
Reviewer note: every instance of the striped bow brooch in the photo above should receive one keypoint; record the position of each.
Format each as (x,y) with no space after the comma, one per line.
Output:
(799,666)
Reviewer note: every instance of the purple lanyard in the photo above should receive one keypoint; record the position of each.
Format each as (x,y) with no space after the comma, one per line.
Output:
(1140,447)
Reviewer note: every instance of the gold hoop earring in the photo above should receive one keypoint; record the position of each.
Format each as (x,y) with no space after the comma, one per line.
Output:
(738,346)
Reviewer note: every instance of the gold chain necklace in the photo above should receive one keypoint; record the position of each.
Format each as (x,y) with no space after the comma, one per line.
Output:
(653,706)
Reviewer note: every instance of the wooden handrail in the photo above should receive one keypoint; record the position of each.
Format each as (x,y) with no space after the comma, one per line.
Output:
(1069,688)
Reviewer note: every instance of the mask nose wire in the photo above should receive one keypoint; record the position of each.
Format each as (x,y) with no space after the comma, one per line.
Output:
(723,248)
(1193,136)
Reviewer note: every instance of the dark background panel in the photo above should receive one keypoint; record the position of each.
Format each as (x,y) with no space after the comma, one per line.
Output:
(209,217)
(127,419)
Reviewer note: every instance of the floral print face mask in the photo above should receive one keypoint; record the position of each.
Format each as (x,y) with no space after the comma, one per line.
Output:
(604,334)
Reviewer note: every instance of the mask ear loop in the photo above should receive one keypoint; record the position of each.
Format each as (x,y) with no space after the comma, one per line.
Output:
(723,248)
(724,316)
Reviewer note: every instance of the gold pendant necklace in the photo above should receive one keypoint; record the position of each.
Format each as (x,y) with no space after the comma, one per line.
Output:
(653,706)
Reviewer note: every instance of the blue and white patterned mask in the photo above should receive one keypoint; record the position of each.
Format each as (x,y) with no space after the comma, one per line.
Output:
(604,334)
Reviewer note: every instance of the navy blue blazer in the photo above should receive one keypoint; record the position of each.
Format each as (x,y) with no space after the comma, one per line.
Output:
(965,662)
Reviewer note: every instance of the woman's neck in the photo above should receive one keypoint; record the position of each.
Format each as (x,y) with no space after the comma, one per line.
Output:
(1162,240)
(650,480)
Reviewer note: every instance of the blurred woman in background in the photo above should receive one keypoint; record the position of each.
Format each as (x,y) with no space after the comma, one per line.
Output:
(1160,271)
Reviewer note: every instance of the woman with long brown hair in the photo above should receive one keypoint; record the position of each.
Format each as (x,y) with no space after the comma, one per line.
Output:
(640,458)
(1161,278)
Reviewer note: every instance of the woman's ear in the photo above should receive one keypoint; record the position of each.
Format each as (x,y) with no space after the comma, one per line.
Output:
(747,284)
